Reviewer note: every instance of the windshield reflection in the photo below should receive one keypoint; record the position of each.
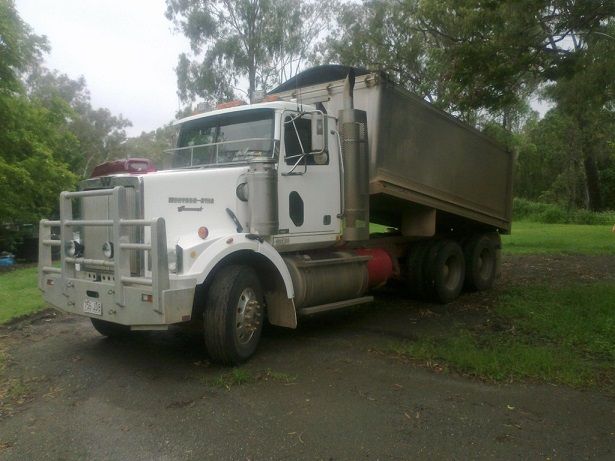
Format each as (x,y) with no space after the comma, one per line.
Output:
(230,138)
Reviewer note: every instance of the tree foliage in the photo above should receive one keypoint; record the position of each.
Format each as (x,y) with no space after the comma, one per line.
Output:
(49,132)
(152,145)
(19,47)
(382,35)
(494,54)
(261,41)
(484,61)
(100,134)
(30,171)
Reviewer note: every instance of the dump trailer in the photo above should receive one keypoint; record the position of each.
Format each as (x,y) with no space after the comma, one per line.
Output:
(337,183)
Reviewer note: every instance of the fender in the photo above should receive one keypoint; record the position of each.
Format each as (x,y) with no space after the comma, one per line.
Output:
(232,243)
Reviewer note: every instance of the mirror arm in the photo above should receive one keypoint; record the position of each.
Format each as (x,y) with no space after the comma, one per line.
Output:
(291,171)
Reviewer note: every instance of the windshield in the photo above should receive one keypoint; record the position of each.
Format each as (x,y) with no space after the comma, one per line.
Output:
(229,138)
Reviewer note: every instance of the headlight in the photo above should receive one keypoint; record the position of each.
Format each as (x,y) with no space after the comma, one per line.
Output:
(73,249)
(176,260)
(108,250)
(172,260)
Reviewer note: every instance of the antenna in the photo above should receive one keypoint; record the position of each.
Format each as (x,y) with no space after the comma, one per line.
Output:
(298,93)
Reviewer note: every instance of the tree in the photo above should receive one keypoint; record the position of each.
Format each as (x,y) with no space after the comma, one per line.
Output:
(586,91)
(152,145)
(494,54)
(49,132)
(391,37)
(262,41)
(19,48)
(30,171)
(382,35)
(547,167)
(100,134)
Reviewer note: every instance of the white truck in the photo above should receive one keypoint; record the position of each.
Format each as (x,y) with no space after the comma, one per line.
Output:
(264,215)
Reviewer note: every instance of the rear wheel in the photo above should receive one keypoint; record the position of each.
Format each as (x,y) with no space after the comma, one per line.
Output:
(110,329)
(233,316)
(445,271)
(481,262)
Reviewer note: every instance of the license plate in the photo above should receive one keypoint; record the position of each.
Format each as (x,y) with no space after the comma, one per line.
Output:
(92,307)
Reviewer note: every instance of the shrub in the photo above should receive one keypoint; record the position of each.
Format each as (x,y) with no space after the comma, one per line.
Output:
(549,213)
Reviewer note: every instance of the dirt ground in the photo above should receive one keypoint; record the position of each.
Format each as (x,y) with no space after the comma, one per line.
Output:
(328,390)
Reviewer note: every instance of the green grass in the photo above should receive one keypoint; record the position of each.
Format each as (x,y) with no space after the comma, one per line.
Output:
(19,294)
(540,238)
(237,377)
(277,376)
(528,237)
(560,335)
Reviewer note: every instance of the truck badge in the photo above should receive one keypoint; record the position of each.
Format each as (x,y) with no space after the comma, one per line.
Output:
(183,201)
(185,208)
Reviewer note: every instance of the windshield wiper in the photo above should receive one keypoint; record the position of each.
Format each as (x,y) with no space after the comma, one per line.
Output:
(235,220)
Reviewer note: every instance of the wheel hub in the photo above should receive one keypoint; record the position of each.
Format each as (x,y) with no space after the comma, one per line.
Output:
(248,317)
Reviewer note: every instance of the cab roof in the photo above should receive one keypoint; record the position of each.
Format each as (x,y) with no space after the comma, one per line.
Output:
(276,105)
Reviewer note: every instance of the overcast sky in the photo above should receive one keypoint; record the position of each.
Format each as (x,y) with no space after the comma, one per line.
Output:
(125,49)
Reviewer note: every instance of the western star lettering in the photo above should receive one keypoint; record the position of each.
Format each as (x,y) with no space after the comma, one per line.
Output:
(191,200)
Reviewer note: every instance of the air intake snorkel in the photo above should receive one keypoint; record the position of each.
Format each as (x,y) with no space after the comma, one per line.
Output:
(355,152)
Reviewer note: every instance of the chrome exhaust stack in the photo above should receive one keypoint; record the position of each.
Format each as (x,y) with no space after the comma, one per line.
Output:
(355,154)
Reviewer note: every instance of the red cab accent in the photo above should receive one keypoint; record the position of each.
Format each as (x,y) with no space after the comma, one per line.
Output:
(129,165)
(228,104)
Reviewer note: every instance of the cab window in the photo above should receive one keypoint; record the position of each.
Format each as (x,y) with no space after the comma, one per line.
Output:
(298,134)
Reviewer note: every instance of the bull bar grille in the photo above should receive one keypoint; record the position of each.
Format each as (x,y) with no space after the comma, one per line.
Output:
(120,263)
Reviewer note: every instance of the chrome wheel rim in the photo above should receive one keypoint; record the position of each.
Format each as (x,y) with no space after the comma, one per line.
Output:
(248,314)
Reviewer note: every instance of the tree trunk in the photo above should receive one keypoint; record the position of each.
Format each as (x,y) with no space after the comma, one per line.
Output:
(251,82)
(592,179)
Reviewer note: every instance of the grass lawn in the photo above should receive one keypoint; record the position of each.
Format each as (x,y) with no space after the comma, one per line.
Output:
(19,294)
(564,335)
(553,334)
(529,237)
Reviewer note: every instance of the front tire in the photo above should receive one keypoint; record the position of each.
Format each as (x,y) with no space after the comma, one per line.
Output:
(233,317)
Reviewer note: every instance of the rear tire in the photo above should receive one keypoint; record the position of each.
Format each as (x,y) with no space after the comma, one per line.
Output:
(415,268)
(445,271)
(110,329)
(481,261)
(233,317)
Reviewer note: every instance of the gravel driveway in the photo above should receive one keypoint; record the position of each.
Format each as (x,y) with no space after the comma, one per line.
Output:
(328,390)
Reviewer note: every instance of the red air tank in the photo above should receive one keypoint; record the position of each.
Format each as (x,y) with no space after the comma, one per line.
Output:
(379,268)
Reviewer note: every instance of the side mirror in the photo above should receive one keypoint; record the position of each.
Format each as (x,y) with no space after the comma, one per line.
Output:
(319,132)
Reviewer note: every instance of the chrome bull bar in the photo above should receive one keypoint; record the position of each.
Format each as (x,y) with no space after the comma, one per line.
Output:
(120,262)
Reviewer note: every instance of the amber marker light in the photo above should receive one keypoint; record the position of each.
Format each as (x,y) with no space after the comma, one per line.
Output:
(147,298)
(203,232)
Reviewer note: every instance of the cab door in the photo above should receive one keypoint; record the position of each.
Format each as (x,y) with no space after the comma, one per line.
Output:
(308,180)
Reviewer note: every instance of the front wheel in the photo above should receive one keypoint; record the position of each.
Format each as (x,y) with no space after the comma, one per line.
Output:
(233,317)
